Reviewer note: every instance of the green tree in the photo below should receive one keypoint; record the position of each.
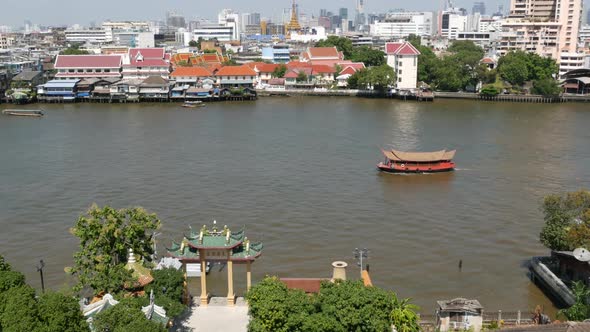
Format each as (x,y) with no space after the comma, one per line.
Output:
(514,69)
(343,45)
(357,307)
(404,316)
(58,312)
(124,318)
(414,40)
(368,56)
(280,71)
(428,62)
(450,75)
(301,77)
(105,236)
(193,43)
(486,75)
(547,87)
(4,266)
(18,310)
(320,322)
(11,279)
(562,214)
(74,49)
(580,310)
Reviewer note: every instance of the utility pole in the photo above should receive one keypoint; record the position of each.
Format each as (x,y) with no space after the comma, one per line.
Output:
(361,254)
(40,270)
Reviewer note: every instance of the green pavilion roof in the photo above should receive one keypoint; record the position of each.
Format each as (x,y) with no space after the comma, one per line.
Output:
(240,247)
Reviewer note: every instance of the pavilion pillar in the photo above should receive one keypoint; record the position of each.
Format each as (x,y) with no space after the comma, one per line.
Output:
(204,294)
(186,296)
(248,275)
(231,297)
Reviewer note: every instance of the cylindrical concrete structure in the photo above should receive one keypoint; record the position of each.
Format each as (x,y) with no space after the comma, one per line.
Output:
(339,270)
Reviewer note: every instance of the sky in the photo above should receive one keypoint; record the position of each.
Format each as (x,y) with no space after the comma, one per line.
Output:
(69,12)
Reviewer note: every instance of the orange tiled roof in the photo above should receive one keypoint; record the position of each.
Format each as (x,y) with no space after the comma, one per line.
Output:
(254,64)
(324,52)
(322,69)
(191,71)
(235,71)
(267,67)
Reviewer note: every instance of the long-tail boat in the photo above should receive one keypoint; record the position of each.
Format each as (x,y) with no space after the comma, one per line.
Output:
(417,162)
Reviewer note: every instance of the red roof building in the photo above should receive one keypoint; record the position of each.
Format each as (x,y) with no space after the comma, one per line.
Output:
(321,53)
(88,66)
(236,76)
(403,58)
(146,62)
(191,72)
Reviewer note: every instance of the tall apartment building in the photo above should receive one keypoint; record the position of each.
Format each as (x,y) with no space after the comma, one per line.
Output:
(546,27)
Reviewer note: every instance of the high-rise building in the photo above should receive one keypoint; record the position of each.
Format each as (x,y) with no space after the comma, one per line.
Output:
(546,27)
(323,12)
(479,7)
(402,24)
(588,16)
(360,19)
(175,20)
(230,18)
(343,13)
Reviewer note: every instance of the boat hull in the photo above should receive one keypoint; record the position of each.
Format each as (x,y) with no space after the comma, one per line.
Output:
(437,168)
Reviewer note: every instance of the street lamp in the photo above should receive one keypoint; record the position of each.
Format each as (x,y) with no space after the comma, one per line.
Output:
(361,254)
(40,267)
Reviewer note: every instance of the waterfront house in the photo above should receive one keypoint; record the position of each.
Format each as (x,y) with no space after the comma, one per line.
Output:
(127,89)
(85,88)
(265,72)
(58,90)
(198,93)
(236,77)
(154,88)
(322,74)
(293,74)
(347,71)
(102,88)
(187,77)
(145,62)
(24,85)
(459,314)
(403,58)
(87,66)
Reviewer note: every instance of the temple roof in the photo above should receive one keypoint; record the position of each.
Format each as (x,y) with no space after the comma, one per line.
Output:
(240,247)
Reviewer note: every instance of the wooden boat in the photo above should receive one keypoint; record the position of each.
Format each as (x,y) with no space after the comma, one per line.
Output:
(34,113)
(417,162)
(193,104)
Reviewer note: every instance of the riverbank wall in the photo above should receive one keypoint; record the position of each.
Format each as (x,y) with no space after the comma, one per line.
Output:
(514,98)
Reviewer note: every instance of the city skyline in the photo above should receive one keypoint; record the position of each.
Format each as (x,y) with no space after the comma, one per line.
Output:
(48,13)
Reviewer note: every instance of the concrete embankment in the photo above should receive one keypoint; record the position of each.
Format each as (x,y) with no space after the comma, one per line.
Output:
(514,98)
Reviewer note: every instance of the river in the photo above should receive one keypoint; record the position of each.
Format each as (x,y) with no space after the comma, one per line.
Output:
(299,173)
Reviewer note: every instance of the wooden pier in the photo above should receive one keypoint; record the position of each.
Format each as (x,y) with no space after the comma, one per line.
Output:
(549,282)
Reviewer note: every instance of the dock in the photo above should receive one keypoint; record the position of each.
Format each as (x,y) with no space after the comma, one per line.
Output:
(549,282)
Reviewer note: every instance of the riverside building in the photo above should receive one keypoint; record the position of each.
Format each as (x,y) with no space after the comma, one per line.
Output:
(545,27)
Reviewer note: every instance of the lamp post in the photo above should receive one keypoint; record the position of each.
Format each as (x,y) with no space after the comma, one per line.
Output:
(361,254)
(40,267)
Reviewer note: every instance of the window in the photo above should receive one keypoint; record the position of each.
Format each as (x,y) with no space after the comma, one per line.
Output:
(107,70)
(80,70)
(415,61)
(399,79)
(400,71)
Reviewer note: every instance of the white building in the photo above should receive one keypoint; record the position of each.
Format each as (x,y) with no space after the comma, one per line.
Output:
(452,21)
(570,61)
(403,58)
(493,24)
(90,36)
(127,25)
(134,38)
(315,34)
(229,18)
(403,24)
(207,32)
(6,42)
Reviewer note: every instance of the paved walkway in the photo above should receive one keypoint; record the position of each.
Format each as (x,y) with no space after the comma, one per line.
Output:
(216,317)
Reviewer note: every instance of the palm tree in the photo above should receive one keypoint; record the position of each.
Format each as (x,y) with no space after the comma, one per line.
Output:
(404,316)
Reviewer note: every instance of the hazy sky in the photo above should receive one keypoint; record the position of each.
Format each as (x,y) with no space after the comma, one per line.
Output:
(47,12)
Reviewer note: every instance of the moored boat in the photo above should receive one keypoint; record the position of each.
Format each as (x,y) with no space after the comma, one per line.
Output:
(34,113)
(417,162)
(193,104)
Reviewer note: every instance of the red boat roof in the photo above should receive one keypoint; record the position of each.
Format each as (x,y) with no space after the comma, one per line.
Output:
(419,156)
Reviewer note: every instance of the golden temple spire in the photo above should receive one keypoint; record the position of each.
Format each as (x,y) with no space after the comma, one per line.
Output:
(294,23)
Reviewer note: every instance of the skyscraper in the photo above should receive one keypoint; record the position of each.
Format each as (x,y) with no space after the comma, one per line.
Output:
(323,12)
(479,7)
(343,13)
(360,19)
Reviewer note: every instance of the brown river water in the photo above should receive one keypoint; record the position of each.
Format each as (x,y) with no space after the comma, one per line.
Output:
(299,173)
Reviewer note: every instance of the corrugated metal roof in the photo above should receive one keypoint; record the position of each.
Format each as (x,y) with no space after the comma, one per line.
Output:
(61,84)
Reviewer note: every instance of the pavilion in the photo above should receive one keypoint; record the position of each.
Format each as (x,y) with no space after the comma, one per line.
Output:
(213,245)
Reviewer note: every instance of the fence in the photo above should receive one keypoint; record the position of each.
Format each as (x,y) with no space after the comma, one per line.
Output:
(505,318)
